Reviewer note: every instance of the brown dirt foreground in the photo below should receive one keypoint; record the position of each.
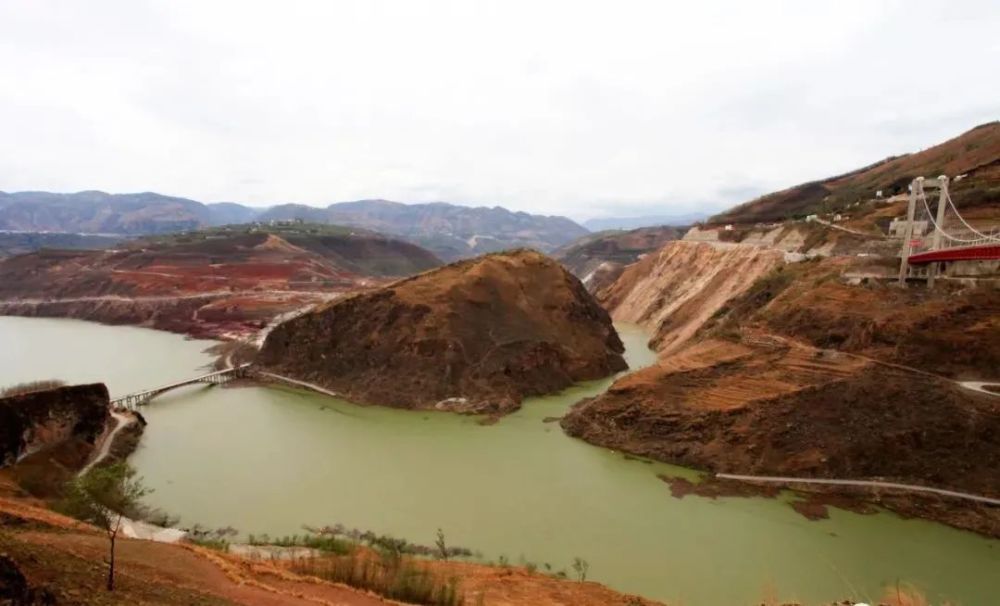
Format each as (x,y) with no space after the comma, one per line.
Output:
(66,558)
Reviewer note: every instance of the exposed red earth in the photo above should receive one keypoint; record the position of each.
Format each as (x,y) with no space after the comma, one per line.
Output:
(226,283)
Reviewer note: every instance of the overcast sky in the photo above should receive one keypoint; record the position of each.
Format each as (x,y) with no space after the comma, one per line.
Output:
(578,108)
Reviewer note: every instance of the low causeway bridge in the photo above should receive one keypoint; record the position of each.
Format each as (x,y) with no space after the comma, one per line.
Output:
(139,398)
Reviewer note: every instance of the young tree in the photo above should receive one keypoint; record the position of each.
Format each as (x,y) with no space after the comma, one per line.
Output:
(442,548)
(103,497)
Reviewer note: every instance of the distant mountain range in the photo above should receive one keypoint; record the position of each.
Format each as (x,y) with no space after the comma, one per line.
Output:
(603,223)
(450,231)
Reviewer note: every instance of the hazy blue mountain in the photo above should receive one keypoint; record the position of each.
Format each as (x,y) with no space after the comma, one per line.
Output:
(449,230)
(97,212)
(600,224)
(231,213)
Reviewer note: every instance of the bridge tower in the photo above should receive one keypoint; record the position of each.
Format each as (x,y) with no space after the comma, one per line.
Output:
(917,188)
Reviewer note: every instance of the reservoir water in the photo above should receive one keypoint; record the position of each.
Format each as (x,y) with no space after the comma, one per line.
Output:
(268,460)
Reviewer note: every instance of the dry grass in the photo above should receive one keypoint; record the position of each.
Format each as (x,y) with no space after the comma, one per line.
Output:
(390,575)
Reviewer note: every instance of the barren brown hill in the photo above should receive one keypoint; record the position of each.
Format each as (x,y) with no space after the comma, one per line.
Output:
(793,410)
(474,336)
(784,352)
(790,369)
(975,154)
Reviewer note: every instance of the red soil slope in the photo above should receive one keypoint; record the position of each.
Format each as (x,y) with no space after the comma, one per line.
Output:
(208,284)
(975,154)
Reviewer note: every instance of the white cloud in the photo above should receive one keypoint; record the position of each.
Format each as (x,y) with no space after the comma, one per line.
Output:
(577,108)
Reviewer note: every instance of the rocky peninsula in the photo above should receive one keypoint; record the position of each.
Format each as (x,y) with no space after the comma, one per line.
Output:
(476,336)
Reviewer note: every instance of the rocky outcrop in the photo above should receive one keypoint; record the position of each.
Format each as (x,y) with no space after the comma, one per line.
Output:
(15,589)
(32,421)
(675,290)
(475,336)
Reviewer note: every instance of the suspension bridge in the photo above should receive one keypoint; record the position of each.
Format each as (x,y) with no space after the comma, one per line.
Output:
(923,255)
(139,398)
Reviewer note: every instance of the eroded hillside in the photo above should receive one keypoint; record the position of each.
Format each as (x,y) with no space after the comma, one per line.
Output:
(772,367)
(674,291)
(474,336)
(788,348)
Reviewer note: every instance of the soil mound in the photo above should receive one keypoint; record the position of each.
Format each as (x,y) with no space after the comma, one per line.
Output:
(476,336)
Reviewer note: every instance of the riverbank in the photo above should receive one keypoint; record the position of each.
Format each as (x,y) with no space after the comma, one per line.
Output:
(516,488)
(785,409)
(60,558)
(211,315)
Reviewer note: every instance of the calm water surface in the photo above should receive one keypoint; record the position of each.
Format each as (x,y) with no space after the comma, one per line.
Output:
(270,460)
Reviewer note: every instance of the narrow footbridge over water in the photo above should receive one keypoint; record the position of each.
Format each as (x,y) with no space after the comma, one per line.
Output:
(139,398)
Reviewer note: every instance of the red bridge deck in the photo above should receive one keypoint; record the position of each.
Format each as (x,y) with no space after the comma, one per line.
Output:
(984,252)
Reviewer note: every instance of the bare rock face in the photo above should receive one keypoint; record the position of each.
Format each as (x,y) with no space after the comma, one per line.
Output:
(676,290)
(476,336)
(38,419)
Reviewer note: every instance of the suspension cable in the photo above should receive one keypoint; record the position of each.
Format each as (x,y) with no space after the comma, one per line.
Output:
(930,217)
(960,218)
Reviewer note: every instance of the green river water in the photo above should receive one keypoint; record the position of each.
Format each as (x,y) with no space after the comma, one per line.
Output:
(268,460)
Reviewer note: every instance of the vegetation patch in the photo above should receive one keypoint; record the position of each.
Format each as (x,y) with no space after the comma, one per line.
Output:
(379,563)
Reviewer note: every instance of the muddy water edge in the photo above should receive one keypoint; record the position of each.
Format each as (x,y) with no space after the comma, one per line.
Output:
(269,460)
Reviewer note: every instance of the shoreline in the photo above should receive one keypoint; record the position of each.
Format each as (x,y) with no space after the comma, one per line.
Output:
(935,509)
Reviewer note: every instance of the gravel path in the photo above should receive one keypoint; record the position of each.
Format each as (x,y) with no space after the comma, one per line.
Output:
(867,483)
(122,422)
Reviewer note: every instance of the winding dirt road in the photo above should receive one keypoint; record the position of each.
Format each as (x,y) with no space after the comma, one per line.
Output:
(304,384)
(122,422)
(863,483)
(981,386)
